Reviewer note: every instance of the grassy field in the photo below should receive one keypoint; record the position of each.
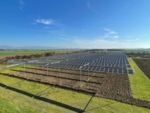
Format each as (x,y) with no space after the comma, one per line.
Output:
(26,52)
(140,84)
(20,96)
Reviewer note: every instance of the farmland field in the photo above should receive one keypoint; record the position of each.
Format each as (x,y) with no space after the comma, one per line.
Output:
(139,83)
(144,65)
(18,96)
(111,86)
(37,83)
(25,52)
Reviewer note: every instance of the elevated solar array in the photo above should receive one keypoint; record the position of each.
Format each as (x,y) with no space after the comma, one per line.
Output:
(99,62)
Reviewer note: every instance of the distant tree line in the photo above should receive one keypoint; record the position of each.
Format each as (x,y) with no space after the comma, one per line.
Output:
(138,54)
(46,54)
(30,56)
(115,49)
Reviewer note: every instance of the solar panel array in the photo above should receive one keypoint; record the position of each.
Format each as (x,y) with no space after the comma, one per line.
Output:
(99,62)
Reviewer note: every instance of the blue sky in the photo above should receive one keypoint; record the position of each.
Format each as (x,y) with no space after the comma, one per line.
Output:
(75,23)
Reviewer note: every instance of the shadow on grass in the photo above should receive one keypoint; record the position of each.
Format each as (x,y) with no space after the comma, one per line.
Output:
(43,99)
(88,102)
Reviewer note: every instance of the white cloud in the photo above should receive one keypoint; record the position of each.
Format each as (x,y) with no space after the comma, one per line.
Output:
(110,31)
(129,40)
(45,21)
(103,43)
(90,8)
(107,29)
(21,4)
(111,34)
(116,36)
(110,39)
(80,42)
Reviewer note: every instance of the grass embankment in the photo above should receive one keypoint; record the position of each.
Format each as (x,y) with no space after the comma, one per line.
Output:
(26,52)
(140,84)
(20,96)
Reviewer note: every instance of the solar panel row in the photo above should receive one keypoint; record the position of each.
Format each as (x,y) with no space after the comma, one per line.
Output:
(109,63)
(100,62)
(97,69)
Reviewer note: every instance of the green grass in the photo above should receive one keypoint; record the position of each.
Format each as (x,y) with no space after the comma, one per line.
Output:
(17,67)
(2,65)
(26,52)
(140,84)
(10,107)
(15,102)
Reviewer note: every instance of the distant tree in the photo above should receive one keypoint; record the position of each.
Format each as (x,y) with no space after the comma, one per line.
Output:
(9,58)
(36,55)
(53,53)
(17,57)
(31,56)
(24,56)
(49,53)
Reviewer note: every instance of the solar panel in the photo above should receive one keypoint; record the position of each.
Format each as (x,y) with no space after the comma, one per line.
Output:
(128,66)
(97,69)
(125,73)
(83,68)
(130,71)
(111,69)
(115,70)
(103,62)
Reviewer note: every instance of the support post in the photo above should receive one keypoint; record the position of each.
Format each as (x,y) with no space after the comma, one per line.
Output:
(47,70)
(24,69)
(80,76)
